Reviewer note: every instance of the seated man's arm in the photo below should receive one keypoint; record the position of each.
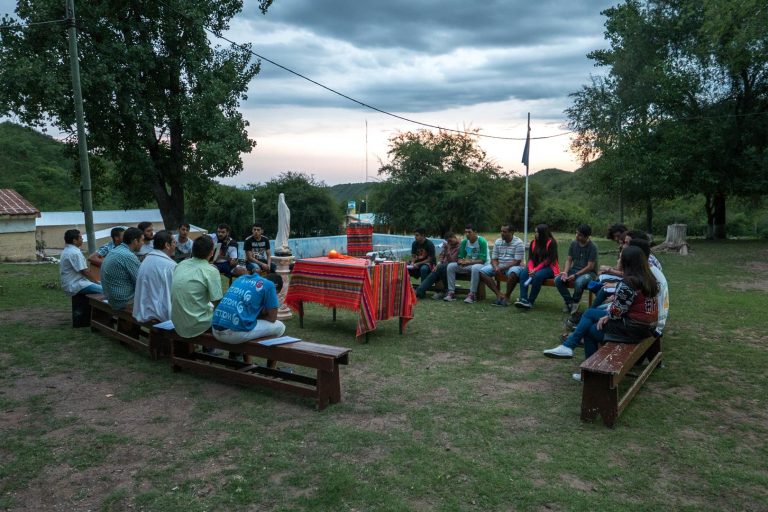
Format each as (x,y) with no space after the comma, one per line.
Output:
(588,268)
(270,315)
(89,275)
(96,259)
(232,255)
(268,264)
(271,303)
(566,268)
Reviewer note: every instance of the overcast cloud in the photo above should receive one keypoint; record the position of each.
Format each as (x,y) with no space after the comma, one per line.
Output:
(451,63)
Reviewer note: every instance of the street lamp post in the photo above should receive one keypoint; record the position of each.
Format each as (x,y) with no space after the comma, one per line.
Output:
(253,210)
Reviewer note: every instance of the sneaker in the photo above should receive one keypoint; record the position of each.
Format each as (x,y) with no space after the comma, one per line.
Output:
(576,377)
(523,304)
(438,296)
(500,302)
(573,307)
(450,297)
(559,352)
(470,298)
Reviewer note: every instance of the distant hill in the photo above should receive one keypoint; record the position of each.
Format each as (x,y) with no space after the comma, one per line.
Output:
(36,166)
(352,191)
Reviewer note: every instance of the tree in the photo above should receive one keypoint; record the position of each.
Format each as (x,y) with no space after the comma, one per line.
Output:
(314,212)
(440,181)
(681,110)
(159,101)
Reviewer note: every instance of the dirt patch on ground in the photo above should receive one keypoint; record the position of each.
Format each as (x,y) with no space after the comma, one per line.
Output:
(138,431)
(758,271)
(40,317)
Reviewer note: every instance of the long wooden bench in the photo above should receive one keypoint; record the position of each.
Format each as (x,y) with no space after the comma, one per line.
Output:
(121,326)
(602,373)
(438,286)
(325,386)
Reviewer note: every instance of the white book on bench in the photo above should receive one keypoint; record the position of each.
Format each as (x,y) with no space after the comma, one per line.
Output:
(279,341)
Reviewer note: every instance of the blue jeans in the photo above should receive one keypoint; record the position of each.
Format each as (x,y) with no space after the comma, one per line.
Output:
(579,285)
(440,273)
(422,272)
(91,288)
(224,268)
(600,298)
(251,266)
(588,331)
(538,278)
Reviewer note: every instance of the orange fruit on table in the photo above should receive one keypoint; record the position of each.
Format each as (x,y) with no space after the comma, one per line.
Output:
(333,254)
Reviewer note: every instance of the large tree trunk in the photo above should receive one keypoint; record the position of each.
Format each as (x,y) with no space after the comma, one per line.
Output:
(715,208)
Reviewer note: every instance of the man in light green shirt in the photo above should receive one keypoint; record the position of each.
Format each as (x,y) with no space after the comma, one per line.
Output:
(195,291)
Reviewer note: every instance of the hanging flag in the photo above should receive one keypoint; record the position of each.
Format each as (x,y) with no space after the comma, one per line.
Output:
(527,148)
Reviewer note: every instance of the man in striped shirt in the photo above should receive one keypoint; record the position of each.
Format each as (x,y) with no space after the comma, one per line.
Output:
(506,258)
(120,268)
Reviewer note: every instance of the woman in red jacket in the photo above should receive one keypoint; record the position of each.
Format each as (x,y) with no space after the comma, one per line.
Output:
(542,265)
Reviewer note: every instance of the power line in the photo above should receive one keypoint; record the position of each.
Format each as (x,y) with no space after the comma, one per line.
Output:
(368,106)
(31,24)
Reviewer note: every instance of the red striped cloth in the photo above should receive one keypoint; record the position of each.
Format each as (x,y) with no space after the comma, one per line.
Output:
(378,292)
(359,239)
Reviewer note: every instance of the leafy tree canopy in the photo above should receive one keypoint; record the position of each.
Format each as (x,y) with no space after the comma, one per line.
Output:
(683,106)
(442,181)
(159,100)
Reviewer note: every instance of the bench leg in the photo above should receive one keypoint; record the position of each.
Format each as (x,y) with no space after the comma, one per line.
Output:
(598,398)
(180,349)
(328,387)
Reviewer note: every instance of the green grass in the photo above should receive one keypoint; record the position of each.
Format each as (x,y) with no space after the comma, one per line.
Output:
(460,413)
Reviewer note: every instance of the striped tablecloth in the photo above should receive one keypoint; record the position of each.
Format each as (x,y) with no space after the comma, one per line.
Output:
(378,292)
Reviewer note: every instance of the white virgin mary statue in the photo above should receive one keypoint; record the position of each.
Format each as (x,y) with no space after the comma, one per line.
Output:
(283,227)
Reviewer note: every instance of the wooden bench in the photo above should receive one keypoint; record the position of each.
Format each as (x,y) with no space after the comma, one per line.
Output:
(438,286)
(123,327)
(602,373)
(325,386)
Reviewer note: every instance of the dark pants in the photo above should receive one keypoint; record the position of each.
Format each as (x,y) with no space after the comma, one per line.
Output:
(426,283)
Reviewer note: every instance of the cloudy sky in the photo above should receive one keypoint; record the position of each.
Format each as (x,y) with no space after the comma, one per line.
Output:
(450,63)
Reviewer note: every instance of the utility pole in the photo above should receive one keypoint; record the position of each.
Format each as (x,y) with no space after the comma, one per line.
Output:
(85,170)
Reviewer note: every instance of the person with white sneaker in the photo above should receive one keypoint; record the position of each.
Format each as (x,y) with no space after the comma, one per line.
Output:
(472,251)
(506,256)
(630,318)
(579,269)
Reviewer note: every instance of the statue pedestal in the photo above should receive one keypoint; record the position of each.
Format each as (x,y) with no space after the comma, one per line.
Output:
(284,270)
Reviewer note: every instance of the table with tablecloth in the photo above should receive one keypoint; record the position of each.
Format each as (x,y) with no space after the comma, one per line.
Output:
(377,292)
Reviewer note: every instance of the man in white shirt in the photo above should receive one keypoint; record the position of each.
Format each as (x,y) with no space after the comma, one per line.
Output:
(153,282)
(73,268)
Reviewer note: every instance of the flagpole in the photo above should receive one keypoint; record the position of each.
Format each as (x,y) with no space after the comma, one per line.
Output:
(526,161)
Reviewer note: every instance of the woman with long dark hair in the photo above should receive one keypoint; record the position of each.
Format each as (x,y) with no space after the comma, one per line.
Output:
(630,318)
(542,265)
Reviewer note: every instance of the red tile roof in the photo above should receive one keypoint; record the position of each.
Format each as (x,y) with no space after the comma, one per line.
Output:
(11,203)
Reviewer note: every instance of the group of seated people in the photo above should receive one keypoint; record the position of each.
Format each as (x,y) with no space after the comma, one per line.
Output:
(470,257)
(178,279)
(632,297)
